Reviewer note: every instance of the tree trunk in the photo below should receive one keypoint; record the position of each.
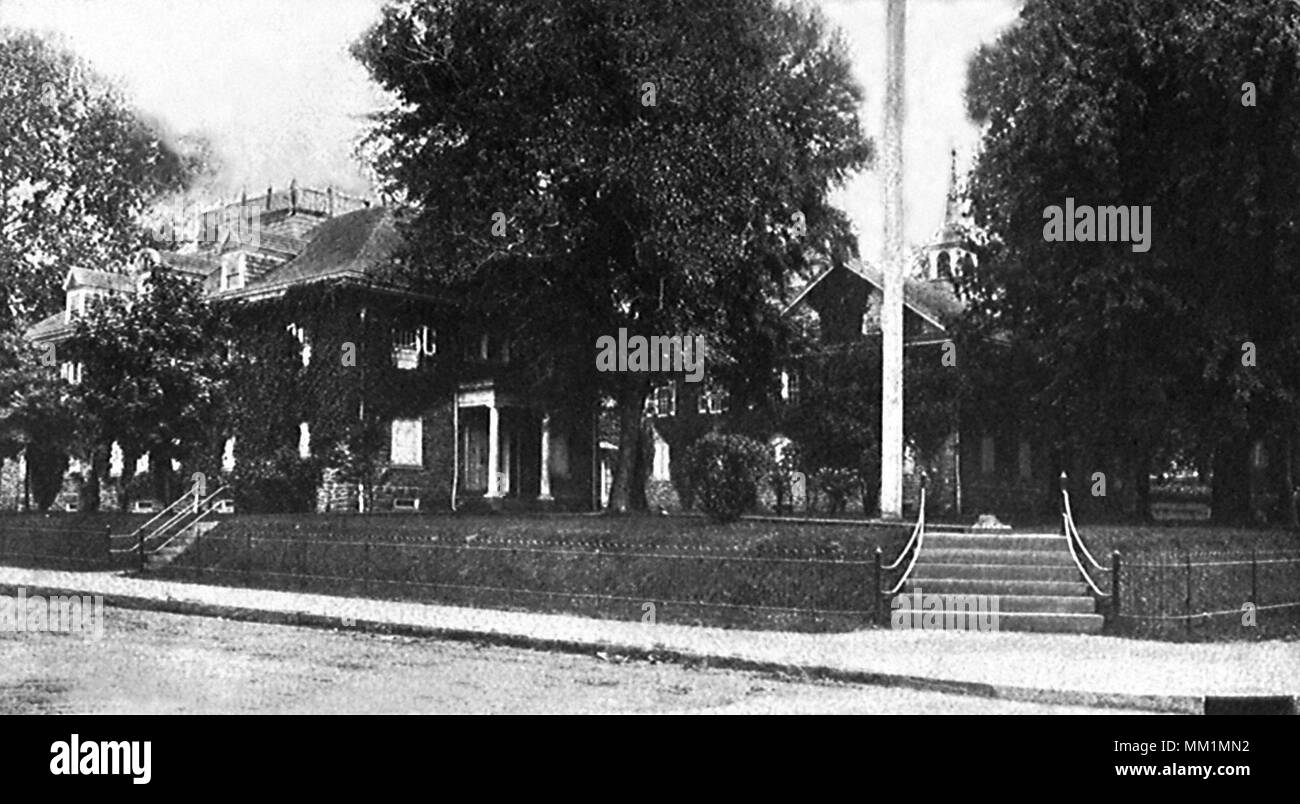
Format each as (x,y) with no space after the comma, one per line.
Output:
(1290,512)
(1142,485)
(1230,489)
(1282,471)
(90,489)
(129,460)
(631,410)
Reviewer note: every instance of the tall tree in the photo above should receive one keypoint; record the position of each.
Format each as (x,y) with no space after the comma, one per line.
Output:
(155,373)
(592,165)
(77,167)
(1192,110)
(36,414)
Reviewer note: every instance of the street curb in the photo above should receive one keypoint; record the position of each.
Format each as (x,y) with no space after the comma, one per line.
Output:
(1183,704)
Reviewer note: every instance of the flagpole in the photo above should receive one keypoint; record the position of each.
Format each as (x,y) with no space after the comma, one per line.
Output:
(895,269)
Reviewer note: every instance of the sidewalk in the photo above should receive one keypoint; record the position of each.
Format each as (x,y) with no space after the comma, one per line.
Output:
(1045,668)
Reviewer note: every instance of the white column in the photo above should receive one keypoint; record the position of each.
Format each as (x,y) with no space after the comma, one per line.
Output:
(494,450)
(545,479)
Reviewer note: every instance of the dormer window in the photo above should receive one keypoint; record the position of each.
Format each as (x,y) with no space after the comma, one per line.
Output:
(71,372)
(79,301)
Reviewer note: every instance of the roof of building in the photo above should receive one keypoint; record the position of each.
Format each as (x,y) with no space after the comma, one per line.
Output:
(101,280)
(355,247)
(52,328)
(198,265)
(933,301)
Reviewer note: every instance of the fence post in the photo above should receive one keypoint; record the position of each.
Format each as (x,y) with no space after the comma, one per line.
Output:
(248,556)
(139,548)
(879,574)
(108,546)
(1254,579)
(369,566)
(1114,586)
(1187,560)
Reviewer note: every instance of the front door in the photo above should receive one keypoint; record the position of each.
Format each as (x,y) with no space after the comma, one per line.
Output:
(474,469)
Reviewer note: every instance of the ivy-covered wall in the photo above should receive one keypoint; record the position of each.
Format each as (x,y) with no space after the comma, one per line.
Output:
(348,393)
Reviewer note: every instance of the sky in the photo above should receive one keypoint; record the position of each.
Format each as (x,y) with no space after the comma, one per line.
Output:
(271,84)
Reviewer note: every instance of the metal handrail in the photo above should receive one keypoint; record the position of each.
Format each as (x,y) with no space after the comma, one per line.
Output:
(915,532)
(1074,529)
(1071,534)
(919,534)
(1082,570)
(181,499)
(203,504)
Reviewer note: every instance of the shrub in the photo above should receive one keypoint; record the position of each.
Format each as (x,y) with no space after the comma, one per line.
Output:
(785,476)
(837,485)
(725,474)
(281,484)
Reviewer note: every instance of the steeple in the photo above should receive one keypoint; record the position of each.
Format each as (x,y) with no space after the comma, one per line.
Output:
(950,232)
(945,257)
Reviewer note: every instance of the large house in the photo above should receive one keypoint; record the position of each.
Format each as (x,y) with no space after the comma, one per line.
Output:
(314,266)
(311,270)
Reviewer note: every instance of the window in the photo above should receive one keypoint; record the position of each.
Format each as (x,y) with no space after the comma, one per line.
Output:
(713,400)
(228,456)
(79,301)
(662,460)
(407,440)
(116,461)
(410,344)
(300,334)
(1259,455)
(790,387)
(232,272)
(871,318)
(988,460)
(71,372)
(663,400)
(304,440)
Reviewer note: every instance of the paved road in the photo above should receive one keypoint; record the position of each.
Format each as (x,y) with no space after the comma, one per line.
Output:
(149,662)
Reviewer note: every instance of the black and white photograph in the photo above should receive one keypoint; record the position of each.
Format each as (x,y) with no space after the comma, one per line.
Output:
(576,357)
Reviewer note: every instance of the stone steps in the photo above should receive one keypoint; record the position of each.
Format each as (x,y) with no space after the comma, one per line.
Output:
(996,580)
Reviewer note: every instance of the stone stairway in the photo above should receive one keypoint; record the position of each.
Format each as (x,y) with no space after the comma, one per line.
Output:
(178,545)
(1030,577)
